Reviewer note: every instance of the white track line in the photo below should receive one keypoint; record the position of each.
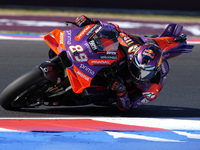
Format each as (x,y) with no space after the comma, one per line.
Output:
(41,39)
(140,137)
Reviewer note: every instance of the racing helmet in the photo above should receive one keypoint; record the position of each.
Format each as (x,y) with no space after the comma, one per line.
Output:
(146,62)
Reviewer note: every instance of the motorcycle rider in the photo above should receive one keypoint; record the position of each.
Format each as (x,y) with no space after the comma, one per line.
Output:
(139,78)
(144,66)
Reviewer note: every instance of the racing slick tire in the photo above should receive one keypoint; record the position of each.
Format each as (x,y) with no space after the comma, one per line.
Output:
(19,87)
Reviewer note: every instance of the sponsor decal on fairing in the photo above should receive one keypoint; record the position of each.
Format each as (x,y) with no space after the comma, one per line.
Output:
(92,29)
(69,39)
(108,57)
(87,69)
(82,33)
(93,45)
(82,75)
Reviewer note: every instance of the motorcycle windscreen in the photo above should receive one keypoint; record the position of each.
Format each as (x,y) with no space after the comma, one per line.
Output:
(104,41)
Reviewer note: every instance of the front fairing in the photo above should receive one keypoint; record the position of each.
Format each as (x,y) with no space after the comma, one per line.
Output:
(90,50)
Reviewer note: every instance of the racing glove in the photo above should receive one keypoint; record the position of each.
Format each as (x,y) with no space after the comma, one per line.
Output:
(83,21)
(123,101)
(181,38)
(148,96)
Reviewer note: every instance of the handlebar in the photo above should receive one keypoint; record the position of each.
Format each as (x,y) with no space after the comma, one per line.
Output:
(70,22)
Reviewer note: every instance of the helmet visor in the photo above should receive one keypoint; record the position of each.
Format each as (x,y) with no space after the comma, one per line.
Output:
(146,75)
(142,74)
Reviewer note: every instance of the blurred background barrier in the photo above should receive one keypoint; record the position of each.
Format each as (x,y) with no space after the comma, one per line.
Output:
(185,7)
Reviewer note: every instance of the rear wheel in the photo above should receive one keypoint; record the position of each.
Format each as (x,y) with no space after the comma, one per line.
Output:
(24,91)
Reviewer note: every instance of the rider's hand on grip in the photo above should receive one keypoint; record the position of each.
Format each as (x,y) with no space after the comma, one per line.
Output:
(181,38)
(119,87)
(124,103)
(83,21)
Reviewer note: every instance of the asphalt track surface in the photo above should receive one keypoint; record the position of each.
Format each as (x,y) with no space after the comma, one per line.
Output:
(178,98)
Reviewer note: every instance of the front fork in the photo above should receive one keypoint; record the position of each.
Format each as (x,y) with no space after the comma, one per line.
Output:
(54,72)
(54,69)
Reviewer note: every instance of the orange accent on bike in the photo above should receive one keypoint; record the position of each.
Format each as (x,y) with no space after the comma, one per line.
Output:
(79,81)
(83,32)
(73,81)
(54,39)
(84,79)
(59,36)
(121,41)
(52,43)
(166,43)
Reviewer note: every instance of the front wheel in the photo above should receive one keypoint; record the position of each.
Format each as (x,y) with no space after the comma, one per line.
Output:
(21,92)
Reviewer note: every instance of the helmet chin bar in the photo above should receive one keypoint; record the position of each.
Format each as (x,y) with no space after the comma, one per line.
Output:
(143,75)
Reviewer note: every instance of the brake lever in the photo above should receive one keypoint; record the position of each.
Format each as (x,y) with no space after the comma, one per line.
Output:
(181,38)
(70,22)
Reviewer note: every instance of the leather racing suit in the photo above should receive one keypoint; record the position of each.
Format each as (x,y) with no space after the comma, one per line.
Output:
(130,92)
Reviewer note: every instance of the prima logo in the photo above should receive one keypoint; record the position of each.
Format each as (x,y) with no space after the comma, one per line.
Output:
(69,39)
(61,37)
(87,69)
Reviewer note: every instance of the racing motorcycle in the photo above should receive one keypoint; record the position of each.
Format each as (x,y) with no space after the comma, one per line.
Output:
(83,62)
